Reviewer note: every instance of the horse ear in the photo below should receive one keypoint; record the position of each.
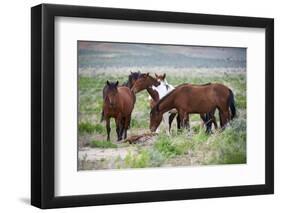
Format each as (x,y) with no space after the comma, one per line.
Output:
(107,82)
(131,72)
(116,84)
(147,74)
(164,76)
(156,75)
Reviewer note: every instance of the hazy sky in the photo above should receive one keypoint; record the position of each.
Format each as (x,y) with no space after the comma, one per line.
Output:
(102,52)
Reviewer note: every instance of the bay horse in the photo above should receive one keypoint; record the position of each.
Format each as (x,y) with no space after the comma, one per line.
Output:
(202,99)
(159,90)
(129,83)
(207,119)
(118,104)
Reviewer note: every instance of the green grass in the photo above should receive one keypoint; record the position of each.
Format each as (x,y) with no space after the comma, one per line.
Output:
(139,123)
(170,147)
(145,158)
(87,127)
(102,144)
(226,147)
(201,136)
(229,147)
(140,160)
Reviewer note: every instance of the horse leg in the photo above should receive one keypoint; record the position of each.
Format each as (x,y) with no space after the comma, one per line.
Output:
(126,125)
(166,122)
(224,117)
(178,122)
(220,116)
(108,128)
(214,120)
(122,127)
(171,118)
(117,128)
(186,121)
(207,122)
(182,117)
(118,122)
(204,119)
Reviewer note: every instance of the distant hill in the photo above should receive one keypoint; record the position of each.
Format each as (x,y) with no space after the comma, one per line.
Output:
(102,54)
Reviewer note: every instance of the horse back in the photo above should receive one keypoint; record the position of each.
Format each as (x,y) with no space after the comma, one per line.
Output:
(216,93)
(127,97)
(220,90)
(208,88)
(201,96)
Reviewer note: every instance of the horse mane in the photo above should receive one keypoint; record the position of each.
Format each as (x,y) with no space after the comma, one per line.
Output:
(133,75)
(207,84)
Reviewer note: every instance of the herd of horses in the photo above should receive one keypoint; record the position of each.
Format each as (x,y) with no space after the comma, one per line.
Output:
(166,102)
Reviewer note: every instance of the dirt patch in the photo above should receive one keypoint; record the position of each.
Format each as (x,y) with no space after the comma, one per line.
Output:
(113,158)
(109,153)
(99,158)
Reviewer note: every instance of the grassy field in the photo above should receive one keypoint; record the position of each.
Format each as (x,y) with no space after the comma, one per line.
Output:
(179,149)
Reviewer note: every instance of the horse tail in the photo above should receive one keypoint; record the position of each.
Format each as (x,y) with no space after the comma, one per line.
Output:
(102,116)
(231,103)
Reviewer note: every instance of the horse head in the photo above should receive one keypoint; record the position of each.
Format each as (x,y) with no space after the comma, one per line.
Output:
(155,118)
(111,92)
(160,77)
(144,81)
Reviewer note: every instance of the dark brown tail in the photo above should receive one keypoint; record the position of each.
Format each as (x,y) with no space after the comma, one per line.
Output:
(102,116)
(231,103)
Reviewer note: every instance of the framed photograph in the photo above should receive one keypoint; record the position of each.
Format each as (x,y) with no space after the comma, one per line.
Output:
(139,106)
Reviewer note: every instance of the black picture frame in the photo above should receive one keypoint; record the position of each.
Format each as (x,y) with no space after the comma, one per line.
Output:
(43,105)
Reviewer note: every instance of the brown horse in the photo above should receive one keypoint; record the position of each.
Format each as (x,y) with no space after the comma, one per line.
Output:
(118,104)
(207,119)
(145,81)
(201,99)
(129,83)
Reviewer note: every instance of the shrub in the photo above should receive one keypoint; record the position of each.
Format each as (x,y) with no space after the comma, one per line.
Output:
(229,147)
(140,160)
(86,127)
(171,147)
